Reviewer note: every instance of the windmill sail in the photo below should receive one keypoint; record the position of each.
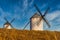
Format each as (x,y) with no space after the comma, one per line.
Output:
(8,25)
(5,19)
(12,20)
(46,11)
(42,15)
(26,25)
(38,9)
(46,22)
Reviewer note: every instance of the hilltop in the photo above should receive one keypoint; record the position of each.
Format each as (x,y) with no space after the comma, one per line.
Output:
(14,34)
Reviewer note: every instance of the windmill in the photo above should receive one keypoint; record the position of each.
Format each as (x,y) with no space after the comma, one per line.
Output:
(36,21)
(8,25)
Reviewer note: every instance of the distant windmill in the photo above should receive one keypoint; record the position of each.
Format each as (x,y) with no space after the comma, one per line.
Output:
(36,22)
(8,25)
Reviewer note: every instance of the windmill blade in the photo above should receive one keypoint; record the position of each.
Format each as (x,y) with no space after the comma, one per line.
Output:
(5,19)
(41,15)
(37,9)
(26,25)
(46,11)
(11,26)
(39,12)
(44,14)
(46,22)
(12,20)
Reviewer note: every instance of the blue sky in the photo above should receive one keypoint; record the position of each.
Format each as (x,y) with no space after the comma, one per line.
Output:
(22,10)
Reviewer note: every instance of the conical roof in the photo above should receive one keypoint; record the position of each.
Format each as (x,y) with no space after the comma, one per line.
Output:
(7,23)
(36,15)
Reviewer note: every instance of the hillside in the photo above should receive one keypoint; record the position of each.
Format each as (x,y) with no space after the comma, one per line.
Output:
(13,34)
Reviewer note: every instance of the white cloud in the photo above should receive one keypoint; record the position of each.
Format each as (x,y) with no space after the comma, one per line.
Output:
(54,20)
(21,12)
(53,15)
(3,14)
(31,2)
(25,4)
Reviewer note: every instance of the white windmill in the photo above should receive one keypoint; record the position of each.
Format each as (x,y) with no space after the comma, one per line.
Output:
(36,22)
(8,25)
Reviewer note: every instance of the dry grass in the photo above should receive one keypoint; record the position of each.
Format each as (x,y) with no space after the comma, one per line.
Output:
(14,34)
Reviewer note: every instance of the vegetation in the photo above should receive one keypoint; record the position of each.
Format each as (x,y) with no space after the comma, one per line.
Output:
(13,34)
